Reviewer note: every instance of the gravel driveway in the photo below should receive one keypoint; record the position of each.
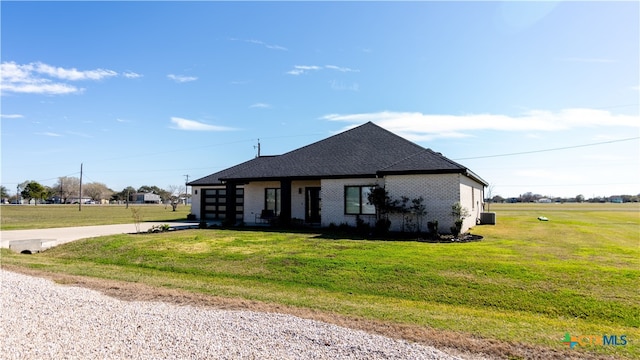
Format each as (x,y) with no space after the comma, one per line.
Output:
(44,320)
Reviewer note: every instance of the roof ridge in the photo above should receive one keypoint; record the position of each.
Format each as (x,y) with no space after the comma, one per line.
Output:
(330,137)
(449,160)
(426,150)
(404,159)
(248,165)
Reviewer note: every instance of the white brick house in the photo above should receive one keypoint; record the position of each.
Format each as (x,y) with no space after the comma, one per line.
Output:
(327,183)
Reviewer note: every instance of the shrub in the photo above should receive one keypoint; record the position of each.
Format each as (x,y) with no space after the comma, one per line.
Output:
(362,228)
(432,226)
(382,226)
(159,228)
(459,213)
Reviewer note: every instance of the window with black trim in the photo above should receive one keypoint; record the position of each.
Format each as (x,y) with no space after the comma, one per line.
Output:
(356,200)
(272,200)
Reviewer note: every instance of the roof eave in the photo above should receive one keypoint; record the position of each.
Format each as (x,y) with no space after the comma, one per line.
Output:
(298,178)
(421,172)
(475,177)
(464,171)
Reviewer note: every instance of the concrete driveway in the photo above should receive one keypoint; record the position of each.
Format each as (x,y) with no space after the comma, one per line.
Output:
(41,239)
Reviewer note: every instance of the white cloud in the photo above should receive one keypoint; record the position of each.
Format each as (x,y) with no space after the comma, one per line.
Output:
(41,78)
(131,75)
(192,125)
(268,46)
(341,69)
(44,87)
(303,69)
(261,105)
(11,116)
(49,134)
(420,127)
(181,78)
(262,43)
(72,74)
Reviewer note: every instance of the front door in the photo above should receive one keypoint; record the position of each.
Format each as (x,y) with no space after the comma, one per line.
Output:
(312,213)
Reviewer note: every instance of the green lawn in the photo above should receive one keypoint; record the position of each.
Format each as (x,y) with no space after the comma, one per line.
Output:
(19,217)
(527,282)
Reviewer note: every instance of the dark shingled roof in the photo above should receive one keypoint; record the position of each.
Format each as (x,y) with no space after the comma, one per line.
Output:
(364,151)
(214,179)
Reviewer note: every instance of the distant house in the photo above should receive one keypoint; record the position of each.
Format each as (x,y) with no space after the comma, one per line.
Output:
(75,200)
(146,198)
(327,182)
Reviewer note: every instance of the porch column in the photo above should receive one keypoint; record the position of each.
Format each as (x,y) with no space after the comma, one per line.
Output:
(230,203)
(285,201)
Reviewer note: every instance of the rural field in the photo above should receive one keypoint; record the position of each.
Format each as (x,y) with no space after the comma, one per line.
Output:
(514,294)
(19,217)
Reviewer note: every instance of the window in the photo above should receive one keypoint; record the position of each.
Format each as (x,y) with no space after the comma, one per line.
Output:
(473,198)
(356,200)
(272,200)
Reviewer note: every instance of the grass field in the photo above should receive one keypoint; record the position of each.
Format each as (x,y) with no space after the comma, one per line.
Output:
(526,284)
(19,217)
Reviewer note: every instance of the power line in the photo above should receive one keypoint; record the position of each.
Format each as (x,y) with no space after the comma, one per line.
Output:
(548,150)
(174,150)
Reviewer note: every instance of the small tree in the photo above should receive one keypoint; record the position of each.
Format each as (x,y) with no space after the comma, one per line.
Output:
(489,197)
(459,213)
(379,198)
(174,196)
(33,191)
(3,192)
(97,191)
(405,211)
(66,187)
(136,213)
(412,214)
(419,210)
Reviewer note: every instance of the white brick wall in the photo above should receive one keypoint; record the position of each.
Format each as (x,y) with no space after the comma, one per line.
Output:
(440,192)
(472,198)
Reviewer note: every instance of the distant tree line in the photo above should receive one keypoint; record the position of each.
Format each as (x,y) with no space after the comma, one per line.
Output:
(66,190)
(530,197)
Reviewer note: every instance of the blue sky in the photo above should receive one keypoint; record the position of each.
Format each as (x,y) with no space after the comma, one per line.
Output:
(144,93)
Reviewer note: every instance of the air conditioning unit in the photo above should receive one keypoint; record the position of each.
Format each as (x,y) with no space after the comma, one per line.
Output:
(487,218)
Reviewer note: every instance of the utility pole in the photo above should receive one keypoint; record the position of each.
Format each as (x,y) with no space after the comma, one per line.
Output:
(185,188)
(80,191)
(258,147)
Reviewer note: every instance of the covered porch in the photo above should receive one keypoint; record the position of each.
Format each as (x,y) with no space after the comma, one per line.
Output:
(283,202)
